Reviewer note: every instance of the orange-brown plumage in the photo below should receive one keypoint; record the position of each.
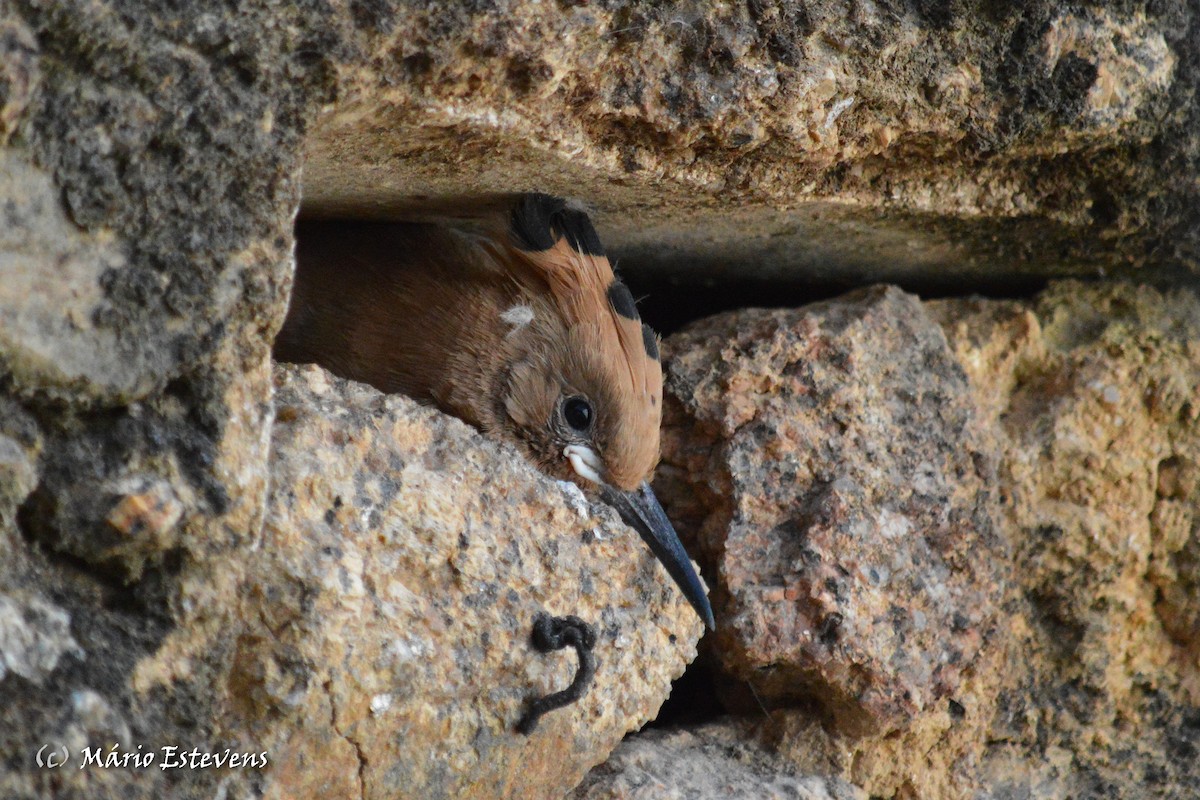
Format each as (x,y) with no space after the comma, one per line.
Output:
(517,325)
(610,351)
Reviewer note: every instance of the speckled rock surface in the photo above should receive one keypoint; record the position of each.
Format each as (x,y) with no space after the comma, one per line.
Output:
(147,187)
(1084,403)
(398,585)
(373,637)
(848,503)
(844,142)
(1094,390)
(716,760)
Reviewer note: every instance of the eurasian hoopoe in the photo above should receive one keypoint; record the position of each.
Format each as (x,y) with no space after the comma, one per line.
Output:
(518,326)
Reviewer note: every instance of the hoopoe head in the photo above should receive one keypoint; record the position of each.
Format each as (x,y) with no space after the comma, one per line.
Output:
(582,389)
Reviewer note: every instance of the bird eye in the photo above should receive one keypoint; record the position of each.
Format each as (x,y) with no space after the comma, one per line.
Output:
(578,413)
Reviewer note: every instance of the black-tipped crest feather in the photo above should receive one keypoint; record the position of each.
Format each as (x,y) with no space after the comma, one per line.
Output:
(578,229)
(650,341)
(539,220)
(622,300)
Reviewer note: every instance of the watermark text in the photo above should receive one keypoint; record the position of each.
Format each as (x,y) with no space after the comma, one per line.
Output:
(170,756)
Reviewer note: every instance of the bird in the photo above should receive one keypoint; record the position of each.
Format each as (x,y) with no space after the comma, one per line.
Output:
(513,320)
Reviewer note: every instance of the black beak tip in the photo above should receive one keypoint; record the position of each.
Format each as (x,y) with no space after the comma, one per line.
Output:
(641,510)
(693,590)
(705,611)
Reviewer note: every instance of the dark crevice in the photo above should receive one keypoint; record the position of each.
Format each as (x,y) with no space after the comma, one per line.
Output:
(693,700)
(668,304)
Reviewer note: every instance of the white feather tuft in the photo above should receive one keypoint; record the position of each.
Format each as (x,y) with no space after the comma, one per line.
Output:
(517,317)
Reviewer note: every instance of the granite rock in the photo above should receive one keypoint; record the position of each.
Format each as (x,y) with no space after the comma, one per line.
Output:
(1082,404)
(848,503)
(148,182)
(1094,389)
(150,172)
(395,588)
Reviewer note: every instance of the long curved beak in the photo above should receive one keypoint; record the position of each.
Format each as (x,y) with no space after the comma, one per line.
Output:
(640,509)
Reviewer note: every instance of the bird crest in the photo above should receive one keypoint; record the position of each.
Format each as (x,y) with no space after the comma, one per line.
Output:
(558,249)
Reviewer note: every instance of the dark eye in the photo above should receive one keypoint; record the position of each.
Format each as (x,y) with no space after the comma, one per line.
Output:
(578,413)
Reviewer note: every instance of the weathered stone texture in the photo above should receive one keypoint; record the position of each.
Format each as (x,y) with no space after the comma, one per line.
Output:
(854,532)
(148,185)
(717,760)
(1100,429)
(1072,421)
(1030,628)
(396,587)
(973,141)
(373,637)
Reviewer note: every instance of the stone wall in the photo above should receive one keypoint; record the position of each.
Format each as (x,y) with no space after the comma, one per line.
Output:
(954,540)
(952,545)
